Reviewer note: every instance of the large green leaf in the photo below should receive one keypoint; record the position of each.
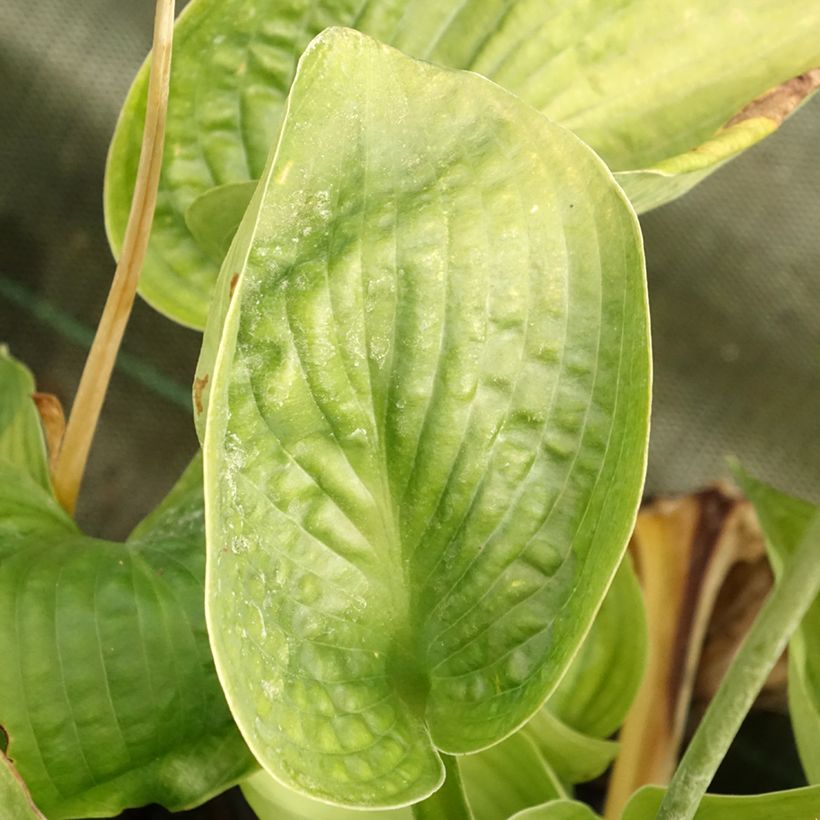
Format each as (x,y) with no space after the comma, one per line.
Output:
(785,520)
(21,437)
(649,84)
(498,782)
(599,704)
(524,770)
(109,697)
(427,422)
(796,804)
(107,689)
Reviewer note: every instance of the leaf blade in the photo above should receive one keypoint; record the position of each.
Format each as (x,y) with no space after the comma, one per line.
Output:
(14,796)
(343,420)
(109,695)
(625,78)
(596,693)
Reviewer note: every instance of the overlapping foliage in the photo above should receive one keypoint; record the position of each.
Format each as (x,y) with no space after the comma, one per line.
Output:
(423,399)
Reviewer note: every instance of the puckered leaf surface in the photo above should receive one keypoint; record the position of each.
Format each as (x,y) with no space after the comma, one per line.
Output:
(568,756)
(656,87)
(498,782)
(427,381)
(107,690)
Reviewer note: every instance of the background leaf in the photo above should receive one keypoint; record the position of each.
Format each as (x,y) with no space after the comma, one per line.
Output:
(213,217)
(650,86)
(507,778)
(796,804)
(600,685)
(270,800)
(557,810)
(573,756)
(420,476)
(21,437)
(784,521)
(675,175)
(109,697)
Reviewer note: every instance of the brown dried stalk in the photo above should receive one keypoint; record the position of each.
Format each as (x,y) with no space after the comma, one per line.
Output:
(85,412)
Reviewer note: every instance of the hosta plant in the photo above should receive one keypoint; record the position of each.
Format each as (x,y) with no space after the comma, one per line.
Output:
(394,578)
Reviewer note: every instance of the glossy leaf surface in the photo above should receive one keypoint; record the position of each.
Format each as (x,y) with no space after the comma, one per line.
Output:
(427,422)
(107,689)
(785,520)
(648,84)
(796,804)
(498,782)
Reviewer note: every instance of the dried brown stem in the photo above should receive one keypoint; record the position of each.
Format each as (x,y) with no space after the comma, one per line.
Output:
(85,412)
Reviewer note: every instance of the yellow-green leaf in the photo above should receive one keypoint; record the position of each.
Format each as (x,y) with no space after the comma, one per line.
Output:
(664,90)
(428,394)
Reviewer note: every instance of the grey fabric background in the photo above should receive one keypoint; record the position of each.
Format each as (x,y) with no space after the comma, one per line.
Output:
(734,275)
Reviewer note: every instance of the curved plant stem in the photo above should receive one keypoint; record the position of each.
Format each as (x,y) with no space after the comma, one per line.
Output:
(763,645)
(449,802)
(85,412)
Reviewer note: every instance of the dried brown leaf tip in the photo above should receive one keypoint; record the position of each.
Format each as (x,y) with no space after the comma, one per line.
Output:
(53,421)
(780,101)
(199,386)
